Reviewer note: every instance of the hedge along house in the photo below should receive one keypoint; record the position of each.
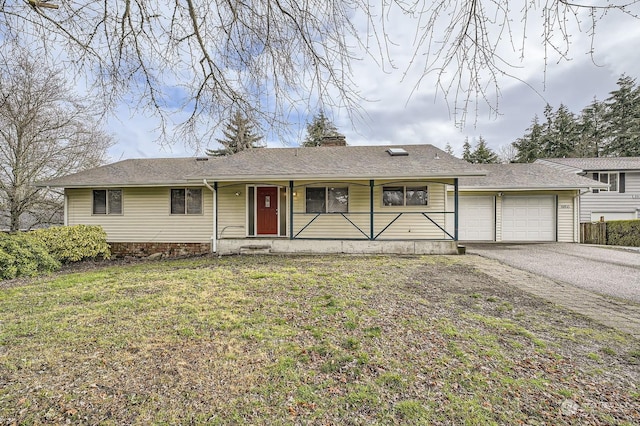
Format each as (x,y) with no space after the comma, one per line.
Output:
(520,203)
(338,199)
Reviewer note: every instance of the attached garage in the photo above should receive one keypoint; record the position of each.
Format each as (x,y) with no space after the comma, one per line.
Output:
(476,219)
(529,218)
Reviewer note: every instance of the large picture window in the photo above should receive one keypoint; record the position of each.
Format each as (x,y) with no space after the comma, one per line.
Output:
(405,196)
(327,200)
(107,201)
(186,201)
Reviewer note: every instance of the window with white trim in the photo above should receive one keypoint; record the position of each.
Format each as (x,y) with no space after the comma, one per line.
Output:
(107,201)
(186,201)
(403,195)
(612,178)
(327,200)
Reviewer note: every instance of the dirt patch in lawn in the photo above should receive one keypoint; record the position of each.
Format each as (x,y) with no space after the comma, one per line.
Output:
(305,340)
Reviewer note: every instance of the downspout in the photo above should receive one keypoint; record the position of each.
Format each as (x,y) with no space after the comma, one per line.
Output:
(214,240)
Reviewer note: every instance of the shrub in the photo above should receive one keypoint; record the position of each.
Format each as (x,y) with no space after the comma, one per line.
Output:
(623,233)
(23,255)
(74,243)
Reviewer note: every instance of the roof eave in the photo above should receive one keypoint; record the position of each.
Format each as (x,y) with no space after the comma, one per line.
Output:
(253,178)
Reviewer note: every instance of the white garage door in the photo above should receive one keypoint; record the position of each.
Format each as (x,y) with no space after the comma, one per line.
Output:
(528,218)
(476,218)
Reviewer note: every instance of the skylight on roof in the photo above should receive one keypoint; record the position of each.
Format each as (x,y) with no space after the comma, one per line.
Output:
(397,152)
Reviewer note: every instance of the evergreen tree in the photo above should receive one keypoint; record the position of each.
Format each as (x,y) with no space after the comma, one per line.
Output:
(482,154)
(563,135)
(448,149)
(239,135)
(466,151)
(591,129)
(622,118)
(319,128)
(529,147)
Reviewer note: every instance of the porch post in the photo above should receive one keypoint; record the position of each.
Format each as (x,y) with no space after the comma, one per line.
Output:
(371,228)
(291,210)
(455,206)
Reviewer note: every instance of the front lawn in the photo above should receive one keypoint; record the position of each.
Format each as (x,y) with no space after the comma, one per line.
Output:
(305,340)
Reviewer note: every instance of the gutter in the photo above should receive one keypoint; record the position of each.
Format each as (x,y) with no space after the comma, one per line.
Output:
(214,240)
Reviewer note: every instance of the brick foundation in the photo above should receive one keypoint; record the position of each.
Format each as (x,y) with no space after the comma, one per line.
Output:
(167,249)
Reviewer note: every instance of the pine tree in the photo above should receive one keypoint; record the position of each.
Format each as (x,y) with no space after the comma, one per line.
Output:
(466,151)
(563,135)
(482,154)
(448,149)
(319,128)
(529,147)
(239,135)
(622,118)
(591,129)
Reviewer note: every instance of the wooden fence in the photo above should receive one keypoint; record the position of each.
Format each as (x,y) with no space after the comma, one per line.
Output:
(593,233)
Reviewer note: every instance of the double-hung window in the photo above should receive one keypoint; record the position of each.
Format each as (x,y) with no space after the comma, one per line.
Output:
(186,201)
(607,177)
(107,201)
(403,195)
(327,200)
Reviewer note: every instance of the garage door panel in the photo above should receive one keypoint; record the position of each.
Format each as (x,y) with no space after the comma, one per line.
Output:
(529,218)
(476,218)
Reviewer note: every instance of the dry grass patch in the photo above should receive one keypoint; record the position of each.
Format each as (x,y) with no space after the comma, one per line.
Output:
(309,340)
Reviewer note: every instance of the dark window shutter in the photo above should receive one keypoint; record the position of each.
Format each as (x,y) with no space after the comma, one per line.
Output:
(596,176)
(621,183)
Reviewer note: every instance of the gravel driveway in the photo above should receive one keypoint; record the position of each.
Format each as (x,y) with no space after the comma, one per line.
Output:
(606,270)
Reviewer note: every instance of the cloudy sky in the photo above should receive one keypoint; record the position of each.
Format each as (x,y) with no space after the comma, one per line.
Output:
(398,112)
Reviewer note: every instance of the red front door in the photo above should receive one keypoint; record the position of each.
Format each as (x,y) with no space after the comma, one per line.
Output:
(267,213)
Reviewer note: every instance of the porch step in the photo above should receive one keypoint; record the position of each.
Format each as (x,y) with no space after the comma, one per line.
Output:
(255,249)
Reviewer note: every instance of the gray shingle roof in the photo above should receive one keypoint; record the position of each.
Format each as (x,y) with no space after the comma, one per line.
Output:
(599,164)
(350,162)
(525,177)
(149,172)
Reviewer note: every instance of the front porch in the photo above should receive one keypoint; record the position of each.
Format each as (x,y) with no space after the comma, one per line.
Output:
(288,246)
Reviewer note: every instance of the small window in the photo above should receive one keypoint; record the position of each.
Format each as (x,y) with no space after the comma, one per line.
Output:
(393,196)
(606,177)
(405,196)
(107,201)
(327,200)
(186,201)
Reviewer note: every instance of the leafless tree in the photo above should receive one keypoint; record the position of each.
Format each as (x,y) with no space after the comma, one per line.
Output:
(45,131)
(507,153)
(264,57)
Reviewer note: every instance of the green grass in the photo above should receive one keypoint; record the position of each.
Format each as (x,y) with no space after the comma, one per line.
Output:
(300,340)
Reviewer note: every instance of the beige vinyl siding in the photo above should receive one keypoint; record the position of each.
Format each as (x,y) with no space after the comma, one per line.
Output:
(232,216)
(333,225)
(566,215)
(146,217)
(411,225)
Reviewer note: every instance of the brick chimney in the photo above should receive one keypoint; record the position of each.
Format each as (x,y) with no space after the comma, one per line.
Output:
(337,140)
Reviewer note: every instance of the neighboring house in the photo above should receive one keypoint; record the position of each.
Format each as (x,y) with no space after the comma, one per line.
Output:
(351,199)
(620,200)
(520,202)
(332,199)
